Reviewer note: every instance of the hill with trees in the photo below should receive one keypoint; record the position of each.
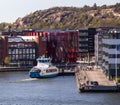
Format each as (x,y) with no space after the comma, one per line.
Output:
(69,18)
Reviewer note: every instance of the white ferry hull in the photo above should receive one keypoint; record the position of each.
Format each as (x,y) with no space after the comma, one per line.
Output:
(42,74)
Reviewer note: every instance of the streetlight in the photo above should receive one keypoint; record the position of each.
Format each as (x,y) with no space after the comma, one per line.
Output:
(116,72)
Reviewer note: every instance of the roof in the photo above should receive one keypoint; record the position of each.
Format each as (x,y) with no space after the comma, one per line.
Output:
(15,39)
(21,39)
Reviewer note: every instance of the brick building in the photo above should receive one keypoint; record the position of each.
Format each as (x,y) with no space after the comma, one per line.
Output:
(21,50)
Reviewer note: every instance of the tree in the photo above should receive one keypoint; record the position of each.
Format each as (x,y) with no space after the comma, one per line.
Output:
(7,60)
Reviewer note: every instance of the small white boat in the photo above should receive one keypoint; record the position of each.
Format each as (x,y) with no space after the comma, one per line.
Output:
(44,69)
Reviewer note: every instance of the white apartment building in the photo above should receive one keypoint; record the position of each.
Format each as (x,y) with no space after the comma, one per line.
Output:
(98,47)
(110,54)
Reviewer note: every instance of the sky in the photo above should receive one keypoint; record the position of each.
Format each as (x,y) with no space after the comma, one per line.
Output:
(10,10)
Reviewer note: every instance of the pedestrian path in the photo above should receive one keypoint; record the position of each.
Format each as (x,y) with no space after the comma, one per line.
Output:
(90,79)
(97,75)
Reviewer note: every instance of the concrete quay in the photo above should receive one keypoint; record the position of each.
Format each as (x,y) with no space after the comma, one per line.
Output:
(10,69)
(90,79)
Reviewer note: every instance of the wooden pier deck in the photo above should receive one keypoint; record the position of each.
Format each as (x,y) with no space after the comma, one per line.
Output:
(94,80)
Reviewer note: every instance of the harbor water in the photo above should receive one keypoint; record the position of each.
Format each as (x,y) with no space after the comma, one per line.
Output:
(16,88)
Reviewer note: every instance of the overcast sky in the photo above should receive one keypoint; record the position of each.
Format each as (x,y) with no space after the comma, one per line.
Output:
(10,10)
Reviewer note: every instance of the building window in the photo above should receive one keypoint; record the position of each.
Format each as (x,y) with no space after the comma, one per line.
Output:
(31,51)
(113,66)
(112,46)
(111,55)
(118,35)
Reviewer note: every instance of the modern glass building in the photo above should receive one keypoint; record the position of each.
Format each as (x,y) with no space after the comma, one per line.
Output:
(86,43)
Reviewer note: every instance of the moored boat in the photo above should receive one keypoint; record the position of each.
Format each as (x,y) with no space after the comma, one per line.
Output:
(44,69)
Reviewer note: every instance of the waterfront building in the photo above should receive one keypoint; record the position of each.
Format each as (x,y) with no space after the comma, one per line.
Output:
(98,46)
(86,43)
(21,50)
(111,57)
(62,46)
(24,48)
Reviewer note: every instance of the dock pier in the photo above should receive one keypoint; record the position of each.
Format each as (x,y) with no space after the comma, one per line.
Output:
(90,79)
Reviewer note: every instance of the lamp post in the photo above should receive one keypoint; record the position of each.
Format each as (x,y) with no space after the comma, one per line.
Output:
(116,63)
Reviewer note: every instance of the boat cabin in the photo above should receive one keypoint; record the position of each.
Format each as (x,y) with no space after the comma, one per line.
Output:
(43,60)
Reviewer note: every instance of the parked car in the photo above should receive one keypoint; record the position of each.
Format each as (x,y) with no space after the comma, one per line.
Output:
(94,83)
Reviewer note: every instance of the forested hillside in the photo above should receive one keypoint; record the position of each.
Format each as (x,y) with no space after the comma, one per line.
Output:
(68,18)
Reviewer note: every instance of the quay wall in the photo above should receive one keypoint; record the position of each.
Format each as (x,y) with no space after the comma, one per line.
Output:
(9,69)
(15,69)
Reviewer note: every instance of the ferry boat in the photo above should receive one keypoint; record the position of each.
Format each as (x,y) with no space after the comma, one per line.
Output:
(44,69)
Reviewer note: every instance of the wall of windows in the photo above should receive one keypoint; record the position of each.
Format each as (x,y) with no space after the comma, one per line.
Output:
(22,54)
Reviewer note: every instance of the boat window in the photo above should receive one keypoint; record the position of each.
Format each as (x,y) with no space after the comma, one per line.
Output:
(44,60)
(39,70)
(52,70)
(35,69)
(40,61)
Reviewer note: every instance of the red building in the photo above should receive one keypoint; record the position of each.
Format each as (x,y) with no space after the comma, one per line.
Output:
(61,46)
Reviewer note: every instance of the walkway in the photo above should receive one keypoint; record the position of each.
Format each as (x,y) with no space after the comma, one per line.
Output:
(97,75)
(89,73)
